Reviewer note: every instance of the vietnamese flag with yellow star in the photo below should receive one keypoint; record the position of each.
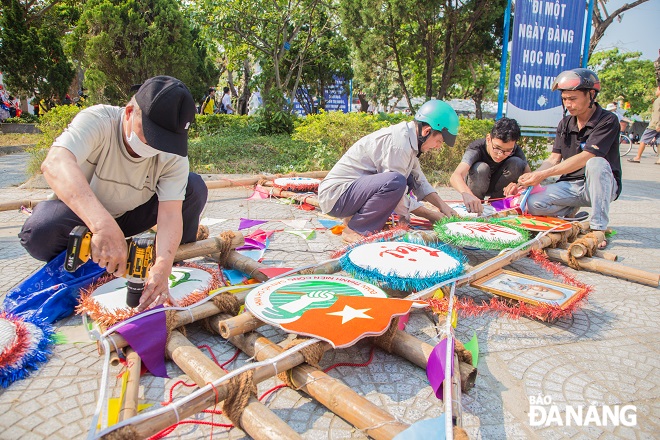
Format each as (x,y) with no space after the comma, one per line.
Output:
(349,319)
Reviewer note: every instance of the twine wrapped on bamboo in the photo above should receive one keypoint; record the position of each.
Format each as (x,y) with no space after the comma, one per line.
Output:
(207,397)
(329,392)
(240,406)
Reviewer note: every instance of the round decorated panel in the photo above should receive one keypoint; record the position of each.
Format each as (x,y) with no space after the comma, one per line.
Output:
(297,183)
(334,308)
(183,282)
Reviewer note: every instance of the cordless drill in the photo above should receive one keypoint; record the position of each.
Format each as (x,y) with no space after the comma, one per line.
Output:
(140,258)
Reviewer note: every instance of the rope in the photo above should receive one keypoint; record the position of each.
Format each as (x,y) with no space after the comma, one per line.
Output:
(239,390)
(227,303)
(226,238)
(312,355)
(202,233)
(385,340)
(590,243)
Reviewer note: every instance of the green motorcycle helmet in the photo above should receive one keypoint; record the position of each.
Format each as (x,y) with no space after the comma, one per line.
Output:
(441,117)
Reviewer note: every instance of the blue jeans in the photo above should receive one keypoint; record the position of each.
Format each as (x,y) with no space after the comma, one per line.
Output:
(562,199)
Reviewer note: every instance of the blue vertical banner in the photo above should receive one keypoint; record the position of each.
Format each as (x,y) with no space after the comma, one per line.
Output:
(334,95)
(547,39)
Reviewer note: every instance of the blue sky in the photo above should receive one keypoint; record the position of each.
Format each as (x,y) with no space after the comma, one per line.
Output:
(638,30)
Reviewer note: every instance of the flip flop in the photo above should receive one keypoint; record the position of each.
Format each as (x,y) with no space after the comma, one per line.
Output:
(631,160)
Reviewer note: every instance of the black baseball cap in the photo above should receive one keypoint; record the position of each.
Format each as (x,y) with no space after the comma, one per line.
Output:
(168,109)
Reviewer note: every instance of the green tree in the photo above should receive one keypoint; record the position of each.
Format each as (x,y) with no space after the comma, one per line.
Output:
(423,46)
(279,34)
(624,74)
(123,42)
(31,55)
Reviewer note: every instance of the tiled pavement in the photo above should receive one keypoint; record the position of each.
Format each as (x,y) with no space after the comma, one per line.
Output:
(606,354)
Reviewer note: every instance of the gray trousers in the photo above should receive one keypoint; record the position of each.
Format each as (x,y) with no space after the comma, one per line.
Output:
(45,233)
(562,199)
(370,200)
(482,183)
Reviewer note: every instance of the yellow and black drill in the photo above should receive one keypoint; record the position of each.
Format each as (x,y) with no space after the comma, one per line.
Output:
(140,258)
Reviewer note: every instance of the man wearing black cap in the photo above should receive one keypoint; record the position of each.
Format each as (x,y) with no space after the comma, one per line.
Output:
(120,171)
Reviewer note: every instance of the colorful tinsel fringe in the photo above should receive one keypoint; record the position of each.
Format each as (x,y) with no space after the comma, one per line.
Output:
(28,344)
(478,242)
(406,284)
(513,309)
(107,318)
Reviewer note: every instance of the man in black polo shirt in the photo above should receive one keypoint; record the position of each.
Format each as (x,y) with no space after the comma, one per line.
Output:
(491,166)
(585,155)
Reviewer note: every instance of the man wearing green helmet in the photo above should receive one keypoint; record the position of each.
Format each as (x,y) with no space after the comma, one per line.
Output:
(370,180)
(585,155)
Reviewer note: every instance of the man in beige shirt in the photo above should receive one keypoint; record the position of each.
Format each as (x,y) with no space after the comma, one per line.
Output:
(120,171)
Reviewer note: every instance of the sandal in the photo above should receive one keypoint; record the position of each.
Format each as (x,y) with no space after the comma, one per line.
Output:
(631,160)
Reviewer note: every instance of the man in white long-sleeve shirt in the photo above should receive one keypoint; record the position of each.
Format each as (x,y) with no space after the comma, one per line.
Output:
(370,180)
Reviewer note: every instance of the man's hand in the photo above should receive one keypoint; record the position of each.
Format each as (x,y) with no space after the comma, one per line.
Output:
(472,203)
(511,189)
(109,248)
(531,179)
(156,289)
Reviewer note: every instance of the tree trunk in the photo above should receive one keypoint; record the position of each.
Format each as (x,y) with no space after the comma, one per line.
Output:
(478,100)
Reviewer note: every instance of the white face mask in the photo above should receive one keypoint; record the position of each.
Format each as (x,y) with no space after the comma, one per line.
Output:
(139,147)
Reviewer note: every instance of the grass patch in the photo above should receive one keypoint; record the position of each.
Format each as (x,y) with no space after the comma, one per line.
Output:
(14,139)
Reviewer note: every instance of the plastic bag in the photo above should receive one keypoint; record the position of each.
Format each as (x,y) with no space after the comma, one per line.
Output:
(51,293)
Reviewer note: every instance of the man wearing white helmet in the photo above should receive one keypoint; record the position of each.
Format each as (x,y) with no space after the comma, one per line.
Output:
(585,155)
(370,180)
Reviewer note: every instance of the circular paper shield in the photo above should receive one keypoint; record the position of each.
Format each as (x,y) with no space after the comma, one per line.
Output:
(480,234)
(538,223)
(338,309)
(462,211)
(402,265)
(184,281)
(297,183)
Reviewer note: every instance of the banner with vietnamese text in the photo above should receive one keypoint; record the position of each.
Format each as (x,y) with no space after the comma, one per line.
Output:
(547,39)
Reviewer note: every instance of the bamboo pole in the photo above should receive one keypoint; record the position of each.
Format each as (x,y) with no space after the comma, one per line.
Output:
(209,309)
(181,318)
(418,352)
(208,246)
(257,420)
(131,398)
(246,322)
(238,325)
(249,181)
(304,198)
(204,399)
(16,204)
(246,265)
(606,267)
(328,391)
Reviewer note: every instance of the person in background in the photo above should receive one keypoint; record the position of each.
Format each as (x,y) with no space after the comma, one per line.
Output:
(226,101)
(491,166)
(208,105)
(652,132)
(370,180)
